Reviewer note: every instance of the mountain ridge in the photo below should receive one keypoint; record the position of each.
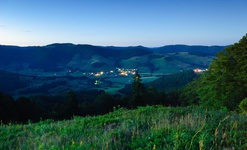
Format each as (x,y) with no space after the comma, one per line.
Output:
(47,69)
(64,56)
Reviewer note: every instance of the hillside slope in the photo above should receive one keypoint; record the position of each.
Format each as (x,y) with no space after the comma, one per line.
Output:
(172,82)
(203,50)
(155,127)
(60,58)
(166,83)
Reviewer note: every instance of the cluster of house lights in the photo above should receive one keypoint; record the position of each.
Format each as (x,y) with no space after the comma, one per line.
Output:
(116,72)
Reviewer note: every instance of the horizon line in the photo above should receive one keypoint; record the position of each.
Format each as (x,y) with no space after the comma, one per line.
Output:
(119,46)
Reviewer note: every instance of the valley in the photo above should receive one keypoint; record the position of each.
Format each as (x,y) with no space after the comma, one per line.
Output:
(57,68)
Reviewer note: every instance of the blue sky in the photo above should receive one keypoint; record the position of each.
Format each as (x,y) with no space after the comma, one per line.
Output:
(149,23)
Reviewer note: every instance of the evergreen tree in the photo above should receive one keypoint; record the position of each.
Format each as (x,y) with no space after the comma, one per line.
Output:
(137,86)
(138,90)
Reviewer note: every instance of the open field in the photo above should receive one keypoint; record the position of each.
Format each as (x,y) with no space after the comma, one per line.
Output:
(155,127)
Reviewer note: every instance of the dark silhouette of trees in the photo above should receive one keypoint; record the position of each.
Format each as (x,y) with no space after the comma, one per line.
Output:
(71,105)
(104,103)
(7,108)
(27,110)
(138,90)
(137,86)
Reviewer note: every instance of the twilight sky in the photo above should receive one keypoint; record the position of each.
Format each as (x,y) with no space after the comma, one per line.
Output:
(149,23)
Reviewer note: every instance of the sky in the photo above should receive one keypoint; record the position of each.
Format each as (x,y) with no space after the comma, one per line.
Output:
(150,23)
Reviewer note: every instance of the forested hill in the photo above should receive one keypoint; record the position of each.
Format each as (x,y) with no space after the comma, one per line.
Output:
(63,57)
(173,82)
(203,50)
(167,83)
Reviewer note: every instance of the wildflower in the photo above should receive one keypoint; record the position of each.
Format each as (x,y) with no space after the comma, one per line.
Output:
(73,142)
(81,143)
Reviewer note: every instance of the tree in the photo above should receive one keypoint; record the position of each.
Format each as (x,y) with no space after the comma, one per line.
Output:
(137,86)
(189,94)
(137,90)
(225,84)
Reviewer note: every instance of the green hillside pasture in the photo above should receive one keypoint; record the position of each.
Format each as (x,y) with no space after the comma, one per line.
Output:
(128,80)
(161,65)
(120,79)
(193,59)
(134,62)
(98,63)
(113,90)
(76,62)
(149,79)
(117,83)
(155,127)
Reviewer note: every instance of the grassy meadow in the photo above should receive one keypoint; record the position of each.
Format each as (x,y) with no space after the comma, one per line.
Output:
(150,127)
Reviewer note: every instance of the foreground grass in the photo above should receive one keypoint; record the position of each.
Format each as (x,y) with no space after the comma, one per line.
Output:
(155,127)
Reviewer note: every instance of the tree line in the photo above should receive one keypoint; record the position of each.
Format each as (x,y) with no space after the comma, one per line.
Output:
(81,103)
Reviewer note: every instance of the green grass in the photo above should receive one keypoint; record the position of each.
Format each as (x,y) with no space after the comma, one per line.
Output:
(151,127)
